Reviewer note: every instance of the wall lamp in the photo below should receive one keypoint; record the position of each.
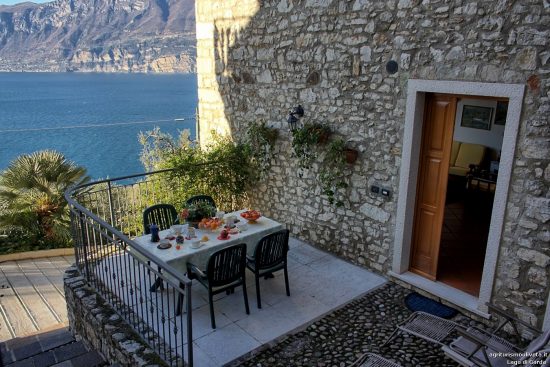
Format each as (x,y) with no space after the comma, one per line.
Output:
(294,116)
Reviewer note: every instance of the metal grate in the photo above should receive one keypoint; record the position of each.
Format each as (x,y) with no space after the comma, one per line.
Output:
(373,360)
(429,327)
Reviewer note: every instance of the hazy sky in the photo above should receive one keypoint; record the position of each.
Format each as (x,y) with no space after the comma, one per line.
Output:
(11,2)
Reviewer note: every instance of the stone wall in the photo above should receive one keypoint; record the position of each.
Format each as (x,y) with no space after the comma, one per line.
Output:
(96,323)
(258,59)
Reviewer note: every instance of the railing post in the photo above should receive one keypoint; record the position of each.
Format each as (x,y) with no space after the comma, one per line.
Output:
(74,234)
(110,198)
(84,242)
(189,306)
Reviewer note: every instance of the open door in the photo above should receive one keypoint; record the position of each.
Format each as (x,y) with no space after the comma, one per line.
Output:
(437,138)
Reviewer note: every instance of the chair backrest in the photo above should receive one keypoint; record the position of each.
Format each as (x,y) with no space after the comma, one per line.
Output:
(469,154)
(227,265)
(163,215)
(272,250)
(201,198)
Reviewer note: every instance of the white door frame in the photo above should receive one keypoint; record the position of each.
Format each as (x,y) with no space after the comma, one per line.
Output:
(409,171)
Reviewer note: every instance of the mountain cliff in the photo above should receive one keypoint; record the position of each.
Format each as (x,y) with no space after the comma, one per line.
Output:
(99,35)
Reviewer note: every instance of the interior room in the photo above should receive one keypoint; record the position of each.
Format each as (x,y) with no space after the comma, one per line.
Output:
(473,172)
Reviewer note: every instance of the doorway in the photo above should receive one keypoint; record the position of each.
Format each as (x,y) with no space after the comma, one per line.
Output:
(457,176)
(417,90)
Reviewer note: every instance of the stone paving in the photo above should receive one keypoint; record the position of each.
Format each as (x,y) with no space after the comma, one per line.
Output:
(361,326)
(57,348)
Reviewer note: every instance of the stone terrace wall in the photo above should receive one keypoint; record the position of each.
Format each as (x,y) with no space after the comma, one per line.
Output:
(95,321)
(257,59)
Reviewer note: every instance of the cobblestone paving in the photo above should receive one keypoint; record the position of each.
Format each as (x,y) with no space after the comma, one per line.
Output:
(362,326)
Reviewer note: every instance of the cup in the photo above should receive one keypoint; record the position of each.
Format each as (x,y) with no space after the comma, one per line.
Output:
(196,244)
(176,229)
(220,214)
(242,227)
(230,221)
(191,232)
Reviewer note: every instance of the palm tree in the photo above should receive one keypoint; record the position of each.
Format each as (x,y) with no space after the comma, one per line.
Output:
(31,194)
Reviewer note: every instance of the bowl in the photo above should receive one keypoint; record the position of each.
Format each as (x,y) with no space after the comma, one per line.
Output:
(251,215)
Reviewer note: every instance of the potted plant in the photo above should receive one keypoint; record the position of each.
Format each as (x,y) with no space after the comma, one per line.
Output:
(260,139)
(194,213)
(304,140)
(351,155)
(332,174)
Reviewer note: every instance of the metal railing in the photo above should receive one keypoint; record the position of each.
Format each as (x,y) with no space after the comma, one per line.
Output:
(104,217)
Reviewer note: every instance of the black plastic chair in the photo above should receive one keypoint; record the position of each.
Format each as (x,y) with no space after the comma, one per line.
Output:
(270,255)
(163,215)
(225,270)
(201,198)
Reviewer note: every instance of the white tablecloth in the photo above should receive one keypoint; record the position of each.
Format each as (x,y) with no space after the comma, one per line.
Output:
(179,258)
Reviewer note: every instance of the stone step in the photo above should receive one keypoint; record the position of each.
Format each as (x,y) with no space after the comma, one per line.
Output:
(54,348)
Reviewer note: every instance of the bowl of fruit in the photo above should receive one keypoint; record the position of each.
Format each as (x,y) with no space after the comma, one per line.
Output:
(210,224)
(251,215)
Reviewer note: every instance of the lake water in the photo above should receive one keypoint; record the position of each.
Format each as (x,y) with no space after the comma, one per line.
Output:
(93,119)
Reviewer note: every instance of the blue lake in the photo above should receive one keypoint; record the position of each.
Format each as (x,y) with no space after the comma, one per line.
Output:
(93,119)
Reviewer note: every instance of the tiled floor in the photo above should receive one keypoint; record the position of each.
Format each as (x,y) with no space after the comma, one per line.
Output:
(31,296)
(318,283)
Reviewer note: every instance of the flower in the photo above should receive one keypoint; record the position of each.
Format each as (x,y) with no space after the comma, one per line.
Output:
(184,214)
(197,211)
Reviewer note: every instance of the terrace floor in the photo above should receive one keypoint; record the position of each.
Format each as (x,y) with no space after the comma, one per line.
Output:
(31,296)
(319,283)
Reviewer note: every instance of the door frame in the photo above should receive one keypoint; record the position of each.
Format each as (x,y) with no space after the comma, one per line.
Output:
(408,176)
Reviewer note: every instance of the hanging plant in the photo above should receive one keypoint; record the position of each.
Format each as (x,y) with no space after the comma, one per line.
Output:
(304,141)
(261,139)
(332,174)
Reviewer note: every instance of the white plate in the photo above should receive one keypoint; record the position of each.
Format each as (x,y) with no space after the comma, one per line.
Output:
(194,247)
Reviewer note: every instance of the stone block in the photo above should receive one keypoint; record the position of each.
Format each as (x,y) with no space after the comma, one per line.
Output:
(533,256)
(374,212)
(538,276)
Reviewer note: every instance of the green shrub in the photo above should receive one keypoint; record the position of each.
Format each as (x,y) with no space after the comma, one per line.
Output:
(33,210)
(223,169)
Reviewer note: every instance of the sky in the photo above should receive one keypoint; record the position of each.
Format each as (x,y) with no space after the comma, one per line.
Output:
(11,2)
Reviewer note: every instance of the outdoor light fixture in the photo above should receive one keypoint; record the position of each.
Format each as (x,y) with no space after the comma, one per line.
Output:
(298,111)
(292,121)
(294,116)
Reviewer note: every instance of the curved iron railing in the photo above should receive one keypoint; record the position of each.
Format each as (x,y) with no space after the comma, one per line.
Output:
(105,215)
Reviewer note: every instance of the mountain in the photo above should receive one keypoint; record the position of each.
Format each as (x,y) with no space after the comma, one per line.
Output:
(99,35)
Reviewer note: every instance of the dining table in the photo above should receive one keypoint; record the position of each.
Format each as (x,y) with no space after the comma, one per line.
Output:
(179,256)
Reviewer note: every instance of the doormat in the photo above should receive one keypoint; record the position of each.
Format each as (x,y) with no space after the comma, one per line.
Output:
(417,302)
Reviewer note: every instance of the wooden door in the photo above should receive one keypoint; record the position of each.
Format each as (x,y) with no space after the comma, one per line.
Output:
(437,138)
